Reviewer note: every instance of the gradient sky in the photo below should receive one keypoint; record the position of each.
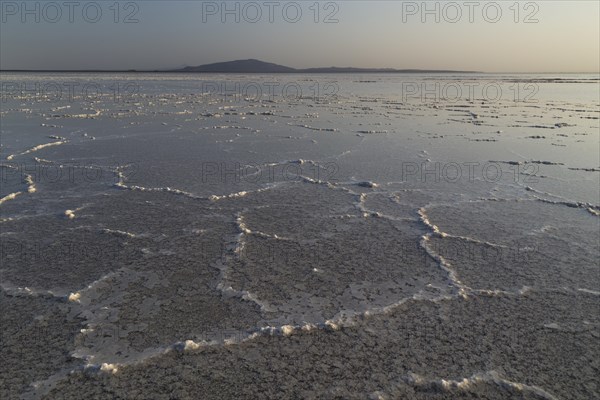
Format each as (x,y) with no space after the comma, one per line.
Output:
(369,34)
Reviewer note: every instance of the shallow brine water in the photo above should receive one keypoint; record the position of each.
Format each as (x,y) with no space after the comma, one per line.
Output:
(309,236)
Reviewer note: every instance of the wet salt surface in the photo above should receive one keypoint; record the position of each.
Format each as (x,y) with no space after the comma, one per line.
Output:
(182,242)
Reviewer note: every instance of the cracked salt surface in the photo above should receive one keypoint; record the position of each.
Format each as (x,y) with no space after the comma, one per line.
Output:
(194,248)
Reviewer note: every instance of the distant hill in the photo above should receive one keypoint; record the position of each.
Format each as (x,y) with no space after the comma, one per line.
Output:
(257,66)
(252,66)
(241,67)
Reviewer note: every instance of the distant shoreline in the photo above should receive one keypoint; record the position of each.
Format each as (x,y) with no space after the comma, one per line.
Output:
(399,72)
(252,66)
(239,72)
(258,67)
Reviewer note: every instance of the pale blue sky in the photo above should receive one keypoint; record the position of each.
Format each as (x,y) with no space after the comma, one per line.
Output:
(368,34)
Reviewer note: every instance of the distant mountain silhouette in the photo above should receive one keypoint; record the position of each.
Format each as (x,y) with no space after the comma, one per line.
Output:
(253,66)
(257,66)
(240,66)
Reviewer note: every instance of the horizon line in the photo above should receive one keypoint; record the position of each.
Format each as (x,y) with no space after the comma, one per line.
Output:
(291,70)
(382,71)
(240,68)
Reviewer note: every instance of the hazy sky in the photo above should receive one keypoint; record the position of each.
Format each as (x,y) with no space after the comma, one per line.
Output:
(168,34)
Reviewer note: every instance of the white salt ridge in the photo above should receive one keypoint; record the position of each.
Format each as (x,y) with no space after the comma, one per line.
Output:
(121,185)
(443,263)
(158,189)
(244,230)
(60,108)
(366,213)
(464,290)
(96,113)
(245,295)
(591,208)
(119,233)
(312,128)
(37,148)
(30,184)
(30,187)
(360,204)
(247,128)
(42,160)
(289,330)
(428,223)
(228,196)
(10,196)
(77,296)
(371,132)
(343,319)
(100,314)
(362,198)
(191,345)
(234,248)
(467,384)
(268,235)
(316,181)
(119,173)
(350,317)
(472,240)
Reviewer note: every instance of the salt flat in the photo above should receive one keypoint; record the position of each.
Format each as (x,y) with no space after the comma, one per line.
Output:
(341,236)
